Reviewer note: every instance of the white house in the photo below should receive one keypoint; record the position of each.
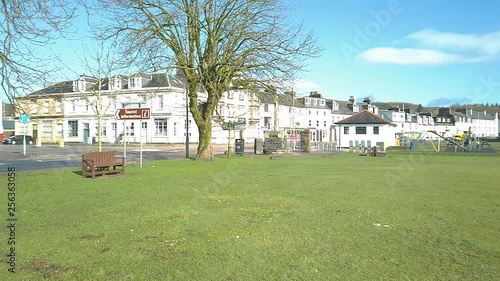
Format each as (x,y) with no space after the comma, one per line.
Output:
(365,129)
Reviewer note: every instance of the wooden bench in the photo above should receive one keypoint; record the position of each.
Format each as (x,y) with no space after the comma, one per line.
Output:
(100,163)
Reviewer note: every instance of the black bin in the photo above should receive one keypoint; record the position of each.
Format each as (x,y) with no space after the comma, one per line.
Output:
(239,147)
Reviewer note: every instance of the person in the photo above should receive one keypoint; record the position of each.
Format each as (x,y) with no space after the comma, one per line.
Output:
(374,151)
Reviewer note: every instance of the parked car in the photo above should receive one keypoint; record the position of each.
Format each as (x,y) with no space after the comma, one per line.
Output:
(18,139)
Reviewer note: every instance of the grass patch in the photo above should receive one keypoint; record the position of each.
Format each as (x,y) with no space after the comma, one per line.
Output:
(408,216)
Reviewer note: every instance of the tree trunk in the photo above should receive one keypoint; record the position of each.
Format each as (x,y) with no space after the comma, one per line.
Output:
(205,152)
(99,133)
(276,112)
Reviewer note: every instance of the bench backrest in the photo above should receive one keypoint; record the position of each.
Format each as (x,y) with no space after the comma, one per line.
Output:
(100,158)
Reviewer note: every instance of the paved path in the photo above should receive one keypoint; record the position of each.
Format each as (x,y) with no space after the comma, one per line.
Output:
(52,156)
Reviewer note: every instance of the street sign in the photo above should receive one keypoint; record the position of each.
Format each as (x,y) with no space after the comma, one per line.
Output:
(24,118)
(133,114)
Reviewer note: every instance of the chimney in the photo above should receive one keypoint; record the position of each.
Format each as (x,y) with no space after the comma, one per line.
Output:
(367,100)
(352,99)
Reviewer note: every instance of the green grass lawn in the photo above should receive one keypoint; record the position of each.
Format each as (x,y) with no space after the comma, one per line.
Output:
(344,217)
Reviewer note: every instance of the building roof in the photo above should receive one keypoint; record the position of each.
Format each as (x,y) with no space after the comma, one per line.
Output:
(149,81)
(363,117)
(283,99)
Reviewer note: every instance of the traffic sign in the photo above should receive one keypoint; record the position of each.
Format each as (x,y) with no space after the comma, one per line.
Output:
(24,118)
(133,113)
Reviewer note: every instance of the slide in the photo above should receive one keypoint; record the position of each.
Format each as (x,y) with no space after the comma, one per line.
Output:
(450,140)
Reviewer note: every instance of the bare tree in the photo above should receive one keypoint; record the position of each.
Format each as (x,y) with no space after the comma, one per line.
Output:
(25,26)
(211,42)
(101,63)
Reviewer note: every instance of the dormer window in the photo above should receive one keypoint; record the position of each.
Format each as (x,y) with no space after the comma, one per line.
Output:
(79,85)
(335,106)
(134,82)
(117,83)
(307,100)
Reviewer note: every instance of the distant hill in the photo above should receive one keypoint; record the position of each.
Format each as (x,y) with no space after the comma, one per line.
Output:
(491,110)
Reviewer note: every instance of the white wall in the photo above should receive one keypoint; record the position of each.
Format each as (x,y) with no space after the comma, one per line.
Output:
(386,134)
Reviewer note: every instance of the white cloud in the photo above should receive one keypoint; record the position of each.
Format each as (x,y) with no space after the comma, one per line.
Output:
(488,44)
(301,84)
(431,47)
(411,56)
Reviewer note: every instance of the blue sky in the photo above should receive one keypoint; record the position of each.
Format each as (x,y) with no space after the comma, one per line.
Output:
(432,52)
(420,51)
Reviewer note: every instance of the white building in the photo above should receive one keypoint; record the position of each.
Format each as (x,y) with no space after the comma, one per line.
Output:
(365,129)
(67,111)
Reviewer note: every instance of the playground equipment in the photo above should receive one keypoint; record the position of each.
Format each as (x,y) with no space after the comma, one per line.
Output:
(466,141)
(409,139)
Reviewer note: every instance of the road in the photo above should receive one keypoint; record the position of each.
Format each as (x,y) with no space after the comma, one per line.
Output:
(53,157)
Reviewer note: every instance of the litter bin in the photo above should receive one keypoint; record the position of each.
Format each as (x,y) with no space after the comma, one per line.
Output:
(239,146)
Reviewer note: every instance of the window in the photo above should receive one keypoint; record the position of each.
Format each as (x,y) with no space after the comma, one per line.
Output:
(60,130)
(189,122)
(267,122)
(34,108)
(324,113)
(242,96)
(47,129)
(266,108)
(130,130)
(317,112)
(104,129)
(346,130)
(375,130)
(325,123)
(308,101)
(175,128)
(46,107)
(335,106)
(58,106)
(73,128)
(73,106)
(144,125)
(131,83)
(361,130)
(160,101)
(86,107)
(161,127)
(322,102)
(230,95)
(144,99)
(317,123)
(113,126)
(310,123)
(117,83)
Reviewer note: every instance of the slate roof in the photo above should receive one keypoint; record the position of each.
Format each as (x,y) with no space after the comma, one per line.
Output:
(343,106)
(363,117)
(58,88)
(283,99)
(150,81)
